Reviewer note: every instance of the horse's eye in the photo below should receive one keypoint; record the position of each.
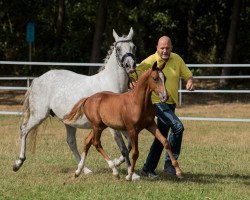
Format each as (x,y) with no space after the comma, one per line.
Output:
(118,49)
(134,48)
(156,79)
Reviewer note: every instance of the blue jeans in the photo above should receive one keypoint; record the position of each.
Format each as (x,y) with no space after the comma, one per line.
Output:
(166,120)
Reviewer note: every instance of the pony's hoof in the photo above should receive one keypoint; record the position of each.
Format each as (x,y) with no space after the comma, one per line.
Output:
(128,177)
(87,171)
(179,176)
(135,177)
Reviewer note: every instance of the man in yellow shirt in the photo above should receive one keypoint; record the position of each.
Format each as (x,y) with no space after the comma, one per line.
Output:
(174,69)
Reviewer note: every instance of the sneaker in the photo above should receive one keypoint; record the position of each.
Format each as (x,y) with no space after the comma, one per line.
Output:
(149,174)
(169,169)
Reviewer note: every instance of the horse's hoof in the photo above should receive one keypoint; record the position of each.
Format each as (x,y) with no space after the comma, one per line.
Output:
(77,173)
(15,168)
(17,165)
(135,177)
(87,171)
(118,161)
(117,176)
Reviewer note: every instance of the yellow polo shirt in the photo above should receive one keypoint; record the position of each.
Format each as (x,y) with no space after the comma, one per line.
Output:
(174,69)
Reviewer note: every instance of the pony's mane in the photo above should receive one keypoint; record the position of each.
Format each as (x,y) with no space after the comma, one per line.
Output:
(144,76)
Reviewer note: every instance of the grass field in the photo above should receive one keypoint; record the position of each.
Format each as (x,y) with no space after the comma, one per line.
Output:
(215,160)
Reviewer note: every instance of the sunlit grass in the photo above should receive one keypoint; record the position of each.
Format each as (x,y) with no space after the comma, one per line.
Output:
(215,161)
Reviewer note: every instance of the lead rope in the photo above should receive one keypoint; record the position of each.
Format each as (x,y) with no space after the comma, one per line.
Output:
(130,80)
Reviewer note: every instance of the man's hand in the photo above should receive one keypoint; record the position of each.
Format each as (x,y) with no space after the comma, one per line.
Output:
(190,84)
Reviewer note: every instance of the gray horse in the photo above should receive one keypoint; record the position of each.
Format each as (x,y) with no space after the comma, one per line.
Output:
(57,91)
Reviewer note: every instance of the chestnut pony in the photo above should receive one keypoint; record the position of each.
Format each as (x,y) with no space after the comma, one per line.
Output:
(131,111)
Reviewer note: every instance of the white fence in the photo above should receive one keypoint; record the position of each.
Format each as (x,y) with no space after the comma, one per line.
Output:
(181,91)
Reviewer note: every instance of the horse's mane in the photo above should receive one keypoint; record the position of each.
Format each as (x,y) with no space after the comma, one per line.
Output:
(107,56)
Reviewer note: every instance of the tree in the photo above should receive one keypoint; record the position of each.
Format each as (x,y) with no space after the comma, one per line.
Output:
(231,40)
(59,23)
(99,30)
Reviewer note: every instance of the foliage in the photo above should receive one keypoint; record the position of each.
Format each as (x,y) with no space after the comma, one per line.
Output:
(198,29)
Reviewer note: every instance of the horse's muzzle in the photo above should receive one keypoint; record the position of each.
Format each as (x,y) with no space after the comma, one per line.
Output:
(130,69)
(163,97)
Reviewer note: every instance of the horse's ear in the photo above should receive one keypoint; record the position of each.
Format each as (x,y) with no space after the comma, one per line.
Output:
(162,66)
(115,35)
(154,67)
(131,33)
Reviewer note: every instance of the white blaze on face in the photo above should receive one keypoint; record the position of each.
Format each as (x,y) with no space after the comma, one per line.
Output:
(163,96)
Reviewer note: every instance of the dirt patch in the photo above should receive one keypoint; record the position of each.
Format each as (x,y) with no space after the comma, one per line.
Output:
(12,100)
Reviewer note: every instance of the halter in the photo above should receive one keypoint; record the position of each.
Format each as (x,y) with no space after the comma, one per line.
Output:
(120,62)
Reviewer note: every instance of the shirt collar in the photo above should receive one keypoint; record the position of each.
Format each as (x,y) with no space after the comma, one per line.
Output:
(159,60)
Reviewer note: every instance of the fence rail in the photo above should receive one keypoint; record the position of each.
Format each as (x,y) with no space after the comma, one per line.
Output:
(181,91)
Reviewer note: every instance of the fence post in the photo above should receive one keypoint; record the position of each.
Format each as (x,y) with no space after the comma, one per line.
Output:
(180,94)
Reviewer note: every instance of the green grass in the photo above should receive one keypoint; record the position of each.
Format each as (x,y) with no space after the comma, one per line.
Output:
(215,161)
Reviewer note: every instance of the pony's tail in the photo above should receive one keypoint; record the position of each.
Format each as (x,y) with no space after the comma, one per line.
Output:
(76,112)
(25,118)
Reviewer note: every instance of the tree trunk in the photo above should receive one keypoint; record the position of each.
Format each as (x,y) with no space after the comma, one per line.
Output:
(231,40)
(190,27)
(59,23)
(99,29)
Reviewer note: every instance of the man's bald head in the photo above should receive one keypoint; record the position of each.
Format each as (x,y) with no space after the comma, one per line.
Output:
(164,47)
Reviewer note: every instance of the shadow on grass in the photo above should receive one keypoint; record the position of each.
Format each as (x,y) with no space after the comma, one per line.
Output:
(203,178)
(200,178)
(213,178)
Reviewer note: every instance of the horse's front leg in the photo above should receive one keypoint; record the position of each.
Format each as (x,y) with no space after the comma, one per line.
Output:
(124,151)
(135,154)
(156,132)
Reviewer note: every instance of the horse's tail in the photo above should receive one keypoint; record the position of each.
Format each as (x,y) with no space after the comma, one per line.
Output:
(76,112)
(25,118)
(26,107)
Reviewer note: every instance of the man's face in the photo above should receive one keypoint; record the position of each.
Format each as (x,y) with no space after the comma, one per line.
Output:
(164,48)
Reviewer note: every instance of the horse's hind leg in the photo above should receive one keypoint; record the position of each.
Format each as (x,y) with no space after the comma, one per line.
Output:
(71,140)
(97,143)
(87,144)
(25,129)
